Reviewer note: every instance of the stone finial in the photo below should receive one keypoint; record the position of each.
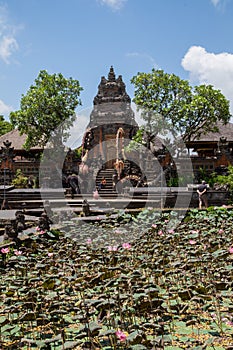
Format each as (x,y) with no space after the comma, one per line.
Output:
(111,74)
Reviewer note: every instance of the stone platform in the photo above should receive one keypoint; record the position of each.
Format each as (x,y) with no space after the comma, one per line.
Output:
(132,198)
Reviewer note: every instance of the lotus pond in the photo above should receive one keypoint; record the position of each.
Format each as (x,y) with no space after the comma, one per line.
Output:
(128,283)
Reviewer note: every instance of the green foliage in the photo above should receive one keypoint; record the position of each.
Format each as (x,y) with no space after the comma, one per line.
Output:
(137,141)
(48,109)
(20,181)
(78,152)
(225,179)
(173,182)
(172,289)
(209,178)
(201,115)
(55,232)
(5,126)
(185,110)
(180,181)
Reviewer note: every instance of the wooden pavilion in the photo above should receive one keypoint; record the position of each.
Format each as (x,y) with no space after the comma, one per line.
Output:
(14,156)
(212,151)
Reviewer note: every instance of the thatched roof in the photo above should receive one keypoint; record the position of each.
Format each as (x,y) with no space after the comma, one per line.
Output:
(16,140)
(225,131)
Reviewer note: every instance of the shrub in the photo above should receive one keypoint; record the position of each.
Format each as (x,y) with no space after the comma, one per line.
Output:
(20,181)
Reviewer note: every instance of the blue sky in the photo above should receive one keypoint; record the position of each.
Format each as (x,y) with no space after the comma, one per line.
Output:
(83,38)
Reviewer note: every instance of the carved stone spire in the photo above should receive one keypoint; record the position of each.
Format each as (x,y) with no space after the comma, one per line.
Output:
(112,103)
(111,90)
(111,112)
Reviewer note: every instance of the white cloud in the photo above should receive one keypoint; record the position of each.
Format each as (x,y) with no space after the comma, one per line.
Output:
(144,56)
(215,2)
(220,4)
(4,109)
(8,45)
(8,42)
(114,4)
(210,68)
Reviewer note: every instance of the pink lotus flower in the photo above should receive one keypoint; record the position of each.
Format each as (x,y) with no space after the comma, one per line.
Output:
(37,228)
(154,226)
(42,232)
(50,255)
(112,248)
(17,252)
(192,241)
(126,245)
(230,250)
(118,232)
(171,231)
(5,250)
(121,335)
(89,241)
(160,233)
(221,231)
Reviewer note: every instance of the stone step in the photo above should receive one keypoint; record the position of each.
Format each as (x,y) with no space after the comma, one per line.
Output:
(107,174)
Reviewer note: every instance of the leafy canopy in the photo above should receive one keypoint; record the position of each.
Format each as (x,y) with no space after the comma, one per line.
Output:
(187,111)
(48,109)
(226,179)
(5,126)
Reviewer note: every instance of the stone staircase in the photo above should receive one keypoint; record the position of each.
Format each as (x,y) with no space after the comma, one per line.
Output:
(108,191)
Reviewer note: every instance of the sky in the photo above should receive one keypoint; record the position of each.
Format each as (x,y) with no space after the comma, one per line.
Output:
(81,39)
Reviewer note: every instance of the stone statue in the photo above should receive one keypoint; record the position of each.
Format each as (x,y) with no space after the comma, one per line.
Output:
(11,232)
(20,221)
(86,208)
(44,222)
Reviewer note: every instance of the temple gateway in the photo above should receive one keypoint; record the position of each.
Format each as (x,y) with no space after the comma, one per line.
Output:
(111,127)
(112,123)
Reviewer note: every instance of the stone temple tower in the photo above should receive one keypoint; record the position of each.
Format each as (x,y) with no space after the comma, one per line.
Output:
(111,112)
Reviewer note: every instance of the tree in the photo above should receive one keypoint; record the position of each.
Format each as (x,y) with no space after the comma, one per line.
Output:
(5,126)
(202,114)
(168,102)
(47,110)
